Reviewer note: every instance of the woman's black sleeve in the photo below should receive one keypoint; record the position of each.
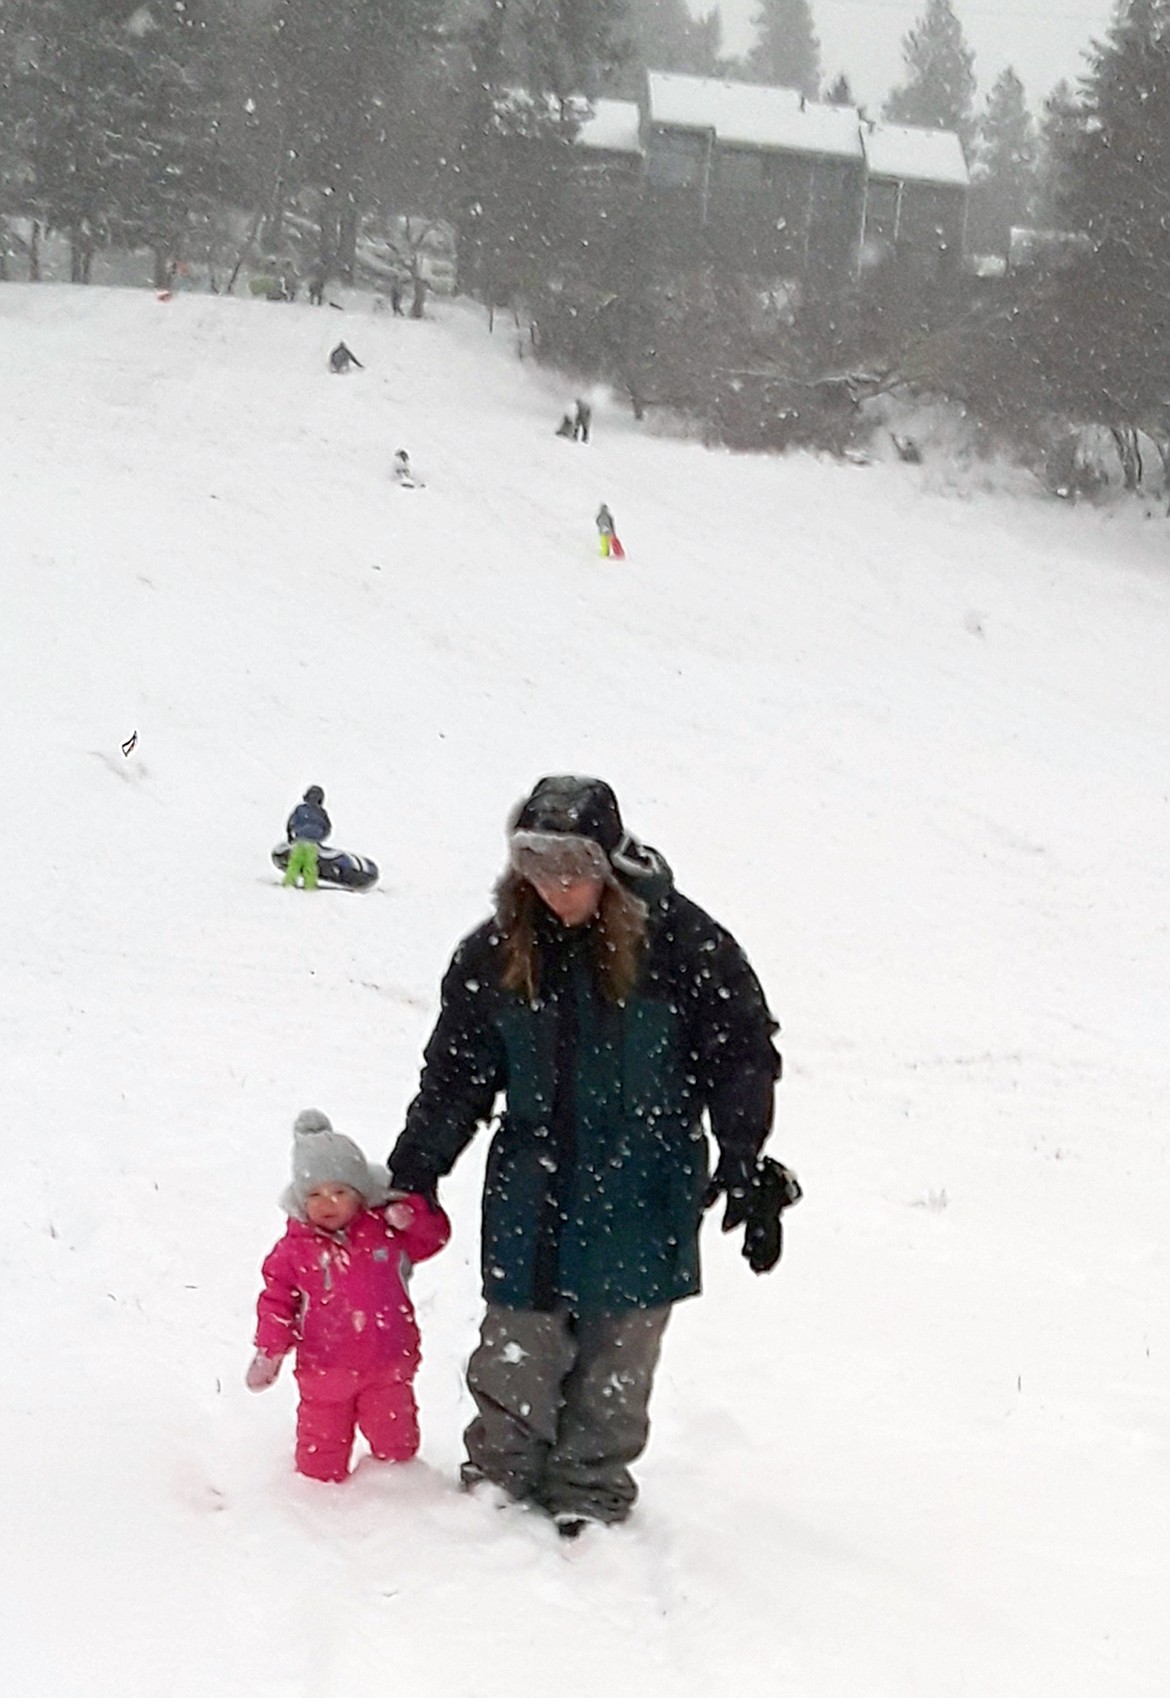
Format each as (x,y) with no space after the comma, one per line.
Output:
(463,1072)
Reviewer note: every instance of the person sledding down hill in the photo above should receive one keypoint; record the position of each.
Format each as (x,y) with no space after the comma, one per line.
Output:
(307,828)
(404,473)
(342,358)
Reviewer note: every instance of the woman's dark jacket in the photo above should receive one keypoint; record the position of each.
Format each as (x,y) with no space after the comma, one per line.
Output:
(595,1178)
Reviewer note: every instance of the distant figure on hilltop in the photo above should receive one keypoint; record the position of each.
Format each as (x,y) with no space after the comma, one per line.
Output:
(307,828)
(317,289)
(342,358)
(607,534)
(582,419)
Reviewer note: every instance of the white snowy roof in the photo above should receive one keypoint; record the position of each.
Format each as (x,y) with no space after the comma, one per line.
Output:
(613,126)
(914,155)
(750,115)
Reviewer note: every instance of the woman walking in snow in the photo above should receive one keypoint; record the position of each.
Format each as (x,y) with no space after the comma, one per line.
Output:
(334,1290)
(612,1014)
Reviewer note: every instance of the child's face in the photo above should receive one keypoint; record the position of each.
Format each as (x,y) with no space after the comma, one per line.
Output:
(332,1207)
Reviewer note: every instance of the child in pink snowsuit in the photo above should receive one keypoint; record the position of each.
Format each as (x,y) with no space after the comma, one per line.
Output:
(335,1289)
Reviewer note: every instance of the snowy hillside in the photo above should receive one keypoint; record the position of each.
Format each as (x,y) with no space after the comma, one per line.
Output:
(913,750)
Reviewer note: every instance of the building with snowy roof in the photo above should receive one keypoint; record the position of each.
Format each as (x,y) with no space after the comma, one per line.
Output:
(777,181)
(771,184)
(916,186)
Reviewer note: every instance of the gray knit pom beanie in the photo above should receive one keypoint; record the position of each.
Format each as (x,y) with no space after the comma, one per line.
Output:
(322,1156)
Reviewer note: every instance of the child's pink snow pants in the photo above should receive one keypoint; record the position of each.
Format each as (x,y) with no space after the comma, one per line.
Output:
(336,1400)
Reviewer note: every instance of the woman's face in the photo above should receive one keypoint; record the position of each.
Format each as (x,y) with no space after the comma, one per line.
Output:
(574,901)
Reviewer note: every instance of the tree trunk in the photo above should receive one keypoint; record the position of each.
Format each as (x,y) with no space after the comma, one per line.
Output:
(271,224)
(34,252)
(249,242)
(1129,455)
(347,233)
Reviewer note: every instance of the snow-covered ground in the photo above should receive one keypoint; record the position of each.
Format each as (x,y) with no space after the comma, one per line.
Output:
(912,750)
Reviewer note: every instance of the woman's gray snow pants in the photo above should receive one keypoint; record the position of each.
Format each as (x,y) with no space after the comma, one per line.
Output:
(562,1406)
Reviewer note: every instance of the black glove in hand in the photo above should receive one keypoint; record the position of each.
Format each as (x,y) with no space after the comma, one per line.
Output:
(757,1196)
(774,1189)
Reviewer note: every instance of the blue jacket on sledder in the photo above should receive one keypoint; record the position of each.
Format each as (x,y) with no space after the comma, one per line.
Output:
(308,822)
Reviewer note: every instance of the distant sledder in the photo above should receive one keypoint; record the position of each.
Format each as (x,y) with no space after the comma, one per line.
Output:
(341,358)
(610,543)
(307,859)
(404,473)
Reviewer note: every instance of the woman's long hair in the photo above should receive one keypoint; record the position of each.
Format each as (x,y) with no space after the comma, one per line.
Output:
(618,932)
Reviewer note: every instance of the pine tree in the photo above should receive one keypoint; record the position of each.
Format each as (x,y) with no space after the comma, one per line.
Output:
(940,81)
(1118,186)
(1006,175)
(327,73)
(665,36)
(515,166)
(14,166)
(839,91)
(708,44)
(787,52)
(564,47)
(1108,300)
(115,109)
(1060,122)
(180,164)
(81,105)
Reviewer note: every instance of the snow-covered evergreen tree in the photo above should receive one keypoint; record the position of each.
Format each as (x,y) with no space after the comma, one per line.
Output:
(664,35)
(325,76)
(787,51)
(1099,321)
(940,74)
(1060,121)
(1005,177)
(1118,157)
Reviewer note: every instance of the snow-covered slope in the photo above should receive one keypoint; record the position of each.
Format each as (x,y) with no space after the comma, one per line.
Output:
(912,750)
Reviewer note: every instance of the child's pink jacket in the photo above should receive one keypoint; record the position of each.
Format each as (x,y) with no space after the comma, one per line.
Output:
(341,1297)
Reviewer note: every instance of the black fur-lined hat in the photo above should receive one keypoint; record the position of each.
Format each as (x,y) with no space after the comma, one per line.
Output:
(568,826)
(576,807)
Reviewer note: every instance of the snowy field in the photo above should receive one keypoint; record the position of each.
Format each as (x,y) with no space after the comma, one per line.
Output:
(913,749)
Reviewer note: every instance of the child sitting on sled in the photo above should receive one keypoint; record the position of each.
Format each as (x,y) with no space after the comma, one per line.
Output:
(335,1291)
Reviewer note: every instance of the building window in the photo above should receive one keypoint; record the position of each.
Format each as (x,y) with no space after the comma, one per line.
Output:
(675,160)
(742,173)
(930,216)
(881,212)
